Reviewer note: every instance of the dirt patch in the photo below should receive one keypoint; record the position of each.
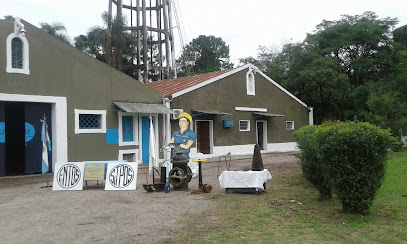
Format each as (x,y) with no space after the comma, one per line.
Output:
(31,213)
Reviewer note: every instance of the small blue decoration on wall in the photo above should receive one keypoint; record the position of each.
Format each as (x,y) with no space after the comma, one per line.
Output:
(29,132)
(112,136)
(2,132)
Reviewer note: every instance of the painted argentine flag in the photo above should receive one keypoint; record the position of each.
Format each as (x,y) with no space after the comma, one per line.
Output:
(46,145)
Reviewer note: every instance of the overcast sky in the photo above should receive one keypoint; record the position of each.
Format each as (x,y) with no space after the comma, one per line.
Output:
(242,24)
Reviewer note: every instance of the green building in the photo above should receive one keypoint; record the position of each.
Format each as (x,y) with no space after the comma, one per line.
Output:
(234,109)
(93,111)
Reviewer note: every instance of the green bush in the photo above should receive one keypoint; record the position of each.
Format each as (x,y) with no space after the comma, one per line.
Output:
(354,155)
(310,160)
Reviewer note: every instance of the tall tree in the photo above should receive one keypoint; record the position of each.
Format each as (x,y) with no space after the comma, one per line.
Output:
(56,29)
(209,53)
(264,59)
(116,46)
(335,67)
(400,35)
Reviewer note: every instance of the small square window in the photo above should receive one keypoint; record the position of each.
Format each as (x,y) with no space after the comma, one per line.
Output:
(90,121)
(244,125)
(129,157)
(289,125)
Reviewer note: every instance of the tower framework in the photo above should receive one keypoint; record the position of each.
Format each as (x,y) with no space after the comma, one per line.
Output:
(151,20)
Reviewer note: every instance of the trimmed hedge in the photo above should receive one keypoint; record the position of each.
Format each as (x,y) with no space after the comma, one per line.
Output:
(310,161)
(351,157)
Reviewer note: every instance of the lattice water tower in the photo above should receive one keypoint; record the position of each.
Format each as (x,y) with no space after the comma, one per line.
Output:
(151,20)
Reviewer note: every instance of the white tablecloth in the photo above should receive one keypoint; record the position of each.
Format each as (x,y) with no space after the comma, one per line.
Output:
(244,179)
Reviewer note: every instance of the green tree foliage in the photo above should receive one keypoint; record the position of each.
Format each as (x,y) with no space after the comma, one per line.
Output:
(112,45)
(56,29)
(8,17)
(310,161)
(115,45)
(386,111)
(400,35)
(209,54)
(264,59)
(338,66)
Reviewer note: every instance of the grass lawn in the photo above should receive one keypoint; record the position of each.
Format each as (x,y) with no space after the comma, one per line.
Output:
(274,217)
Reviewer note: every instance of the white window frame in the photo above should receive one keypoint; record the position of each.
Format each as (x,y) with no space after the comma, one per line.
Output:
(291,127)
(129,151)
(135,129)
(250,83)
(248,125)
(26,48)
(102,129)
(265,139)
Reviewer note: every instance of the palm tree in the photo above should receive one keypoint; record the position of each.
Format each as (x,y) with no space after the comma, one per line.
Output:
(56,29)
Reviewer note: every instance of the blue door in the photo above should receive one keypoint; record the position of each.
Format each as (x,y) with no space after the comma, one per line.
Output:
(145,135)
(34,113)
(20,137)
(2,141)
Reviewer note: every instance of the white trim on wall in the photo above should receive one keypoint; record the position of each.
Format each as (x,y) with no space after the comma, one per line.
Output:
(247,109)
(291,123)
(19,33)
(233,71)
(238,150)
(26,56)
(59,120)
(129,151)
(210,136)
(102,128)
(135,130)
(250,83)
(248,125)
(264,132)
(283,89)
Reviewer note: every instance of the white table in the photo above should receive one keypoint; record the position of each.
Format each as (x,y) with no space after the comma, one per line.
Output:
(248,181)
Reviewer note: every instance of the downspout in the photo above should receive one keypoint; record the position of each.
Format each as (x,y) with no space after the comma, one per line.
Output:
(167,127)
(311,115)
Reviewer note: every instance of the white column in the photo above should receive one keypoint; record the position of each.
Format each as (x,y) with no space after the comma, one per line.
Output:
(167,129)
(311,115)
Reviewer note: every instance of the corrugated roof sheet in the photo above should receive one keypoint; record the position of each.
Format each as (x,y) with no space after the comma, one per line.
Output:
(268,114)
(143,108)
(210,112)
(169,87)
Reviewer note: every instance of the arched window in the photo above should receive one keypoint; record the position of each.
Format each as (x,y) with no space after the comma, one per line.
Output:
(18,56)
(250,83)
(16,53)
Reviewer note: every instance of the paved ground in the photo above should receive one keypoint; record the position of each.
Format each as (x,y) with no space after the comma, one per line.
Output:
(30,213)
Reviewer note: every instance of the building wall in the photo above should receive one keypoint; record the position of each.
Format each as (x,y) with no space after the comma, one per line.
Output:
(230,92)
(58,69)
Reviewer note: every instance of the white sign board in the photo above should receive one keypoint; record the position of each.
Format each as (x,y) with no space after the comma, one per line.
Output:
(121,176)
(68,176)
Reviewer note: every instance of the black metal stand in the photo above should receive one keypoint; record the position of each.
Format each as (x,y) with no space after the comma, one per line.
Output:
(200,175)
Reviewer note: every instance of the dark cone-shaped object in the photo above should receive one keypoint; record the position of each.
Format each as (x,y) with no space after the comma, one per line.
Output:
(257,164)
